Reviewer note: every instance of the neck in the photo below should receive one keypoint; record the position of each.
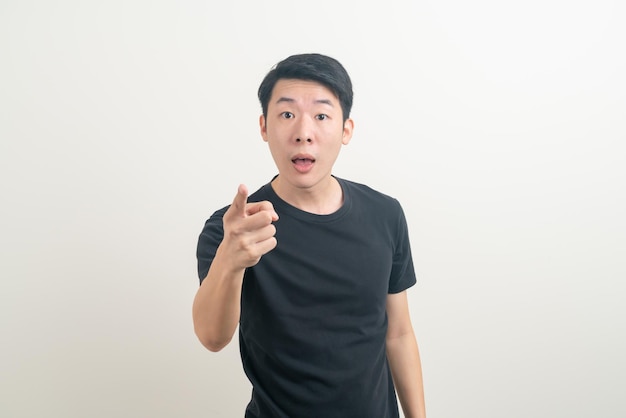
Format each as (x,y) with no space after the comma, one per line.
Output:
(324,198)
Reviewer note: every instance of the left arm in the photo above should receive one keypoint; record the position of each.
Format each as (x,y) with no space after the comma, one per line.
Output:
(403,356)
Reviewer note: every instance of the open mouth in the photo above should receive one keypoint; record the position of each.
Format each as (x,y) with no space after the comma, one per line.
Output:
(303,162)
(303,159)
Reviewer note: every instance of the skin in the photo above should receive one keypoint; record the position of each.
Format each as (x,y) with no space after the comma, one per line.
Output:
(404,358)
(305,119)
(305,131)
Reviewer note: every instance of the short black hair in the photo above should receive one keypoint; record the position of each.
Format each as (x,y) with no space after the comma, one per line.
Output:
(311,67)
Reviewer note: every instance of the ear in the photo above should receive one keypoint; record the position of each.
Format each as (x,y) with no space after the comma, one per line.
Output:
(348,128)
(263,127)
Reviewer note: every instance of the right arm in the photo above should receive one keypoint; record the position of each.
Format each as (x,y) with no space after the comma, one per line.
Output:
(248,235)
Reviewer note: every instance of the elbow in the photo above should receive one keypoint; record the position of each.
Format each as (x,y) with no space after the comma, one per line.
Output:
(214,334)
(214,346)
(211,343)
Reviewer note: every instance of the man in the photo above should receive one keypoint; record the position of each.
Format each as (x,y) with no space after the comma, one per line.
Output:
(313,268)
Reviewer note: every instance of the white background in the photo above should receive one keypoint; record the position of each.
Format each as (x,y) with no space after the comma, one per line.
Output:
(500,126)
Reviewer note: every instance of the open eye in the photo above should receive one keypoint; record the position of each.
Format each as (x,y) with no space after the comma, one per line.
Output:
(321,116)
(287,115)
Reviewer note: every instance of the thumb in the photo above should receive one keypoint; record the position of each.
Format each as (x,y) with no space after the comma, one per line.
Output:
(240,201)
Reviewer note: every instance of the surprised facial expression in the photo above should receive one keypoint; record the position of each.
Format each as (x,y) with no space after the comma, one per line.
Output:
(304,129)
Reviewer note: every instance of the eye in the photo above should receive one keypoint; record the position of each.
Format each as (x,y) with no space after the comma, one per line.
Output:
(322,117)
(287,115)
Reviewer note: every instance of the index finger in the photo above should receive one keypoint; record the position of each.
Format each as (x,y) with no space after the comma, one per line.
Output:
(240,200)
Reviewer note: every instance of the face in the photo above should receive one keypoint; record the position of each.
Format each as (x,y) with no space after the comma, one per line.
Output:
(304,129)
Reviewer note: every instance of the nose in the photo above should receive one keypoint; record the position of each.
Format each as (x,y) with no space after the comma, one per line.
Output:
(304,130)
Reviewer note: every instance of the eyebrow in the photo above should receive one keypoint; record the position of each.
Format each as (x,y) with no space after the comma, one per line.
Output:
(290,100)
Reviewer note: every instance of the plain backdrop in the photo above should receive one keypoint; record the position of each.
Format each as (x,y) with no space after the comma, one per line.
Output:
(500,127)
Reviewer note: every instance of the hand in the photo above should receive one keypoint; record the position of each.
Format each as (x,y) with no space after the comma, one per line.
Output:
(248,230)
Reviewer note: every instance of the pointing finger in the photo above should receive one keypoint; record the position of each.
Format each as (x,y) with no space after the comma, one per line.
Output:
(239,203)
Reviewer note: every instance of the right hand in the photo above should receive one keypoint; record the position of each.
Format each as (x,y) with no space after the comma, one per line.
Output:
(248,230)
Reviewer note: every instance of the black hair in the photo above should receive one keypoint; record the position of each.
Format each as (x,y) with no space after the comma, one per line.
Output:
(311,67)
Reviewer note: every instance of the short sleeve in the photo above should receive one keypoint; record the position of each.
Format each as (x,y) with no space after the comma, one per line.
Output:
(402,271)
(210,238)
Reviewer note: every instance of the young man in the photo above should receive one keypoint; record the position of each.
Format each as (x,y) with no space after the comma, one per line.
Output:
(313,268)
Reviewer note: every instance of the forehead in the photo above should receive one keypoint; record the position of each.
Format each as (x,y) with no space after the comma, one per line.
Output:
(301,91)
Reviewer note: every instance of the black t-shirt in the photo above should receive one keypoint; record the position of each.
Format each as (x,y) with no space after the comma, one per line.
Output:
(313,310)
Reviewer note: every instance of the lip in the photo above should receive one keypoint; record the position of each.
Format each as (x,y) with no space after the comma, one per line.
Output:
(303,163)
(303,157)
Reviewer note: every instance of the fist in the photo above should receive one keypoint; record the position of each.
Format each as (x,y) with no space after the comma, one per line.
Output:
(248,230)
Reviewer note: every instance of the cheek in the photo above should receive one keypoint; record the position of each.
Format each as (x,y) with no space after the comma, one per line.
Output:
(329,132)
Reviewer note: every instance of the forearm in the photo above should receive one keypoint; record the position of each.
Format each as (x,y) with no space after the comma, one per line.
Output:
(406,369)
(216,307)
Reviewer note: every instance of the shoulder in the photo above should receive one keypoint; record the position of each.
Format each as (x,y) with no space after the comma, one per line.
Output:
(263,193)
(362,194)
